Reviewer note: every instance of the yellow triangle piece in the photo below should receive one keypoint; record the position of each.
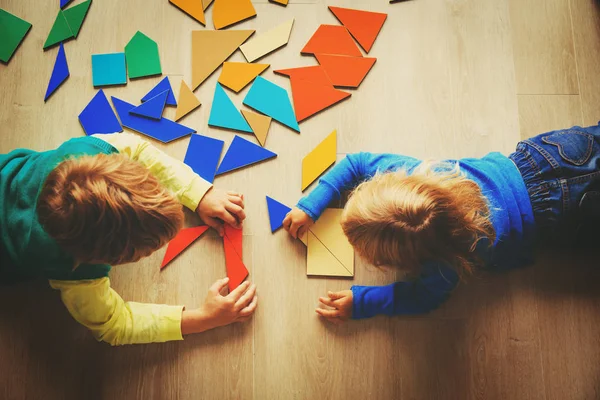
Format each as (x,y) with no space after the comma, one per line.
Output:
(206,3)
(282,2)
(260,125)
(229,12)
(186,102)
(236,75)
(193,8)
(267,42)
(328,230)
(320,260)
(318,160)
(211,48)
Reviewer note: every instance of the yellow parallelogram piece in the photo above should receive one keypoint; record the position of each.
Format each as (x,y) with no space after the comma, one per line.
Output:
(229,12)
(260,125)
(267,42)
(186,102)
(193,8)
(236,75)
(318,160)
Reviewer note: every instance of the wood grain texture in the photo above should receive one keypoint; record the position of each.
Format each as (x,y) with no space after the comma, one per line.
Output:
(544,113)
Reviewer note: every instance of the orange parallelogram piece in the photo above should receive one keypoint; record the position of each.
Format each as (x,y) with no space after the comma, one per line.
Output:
(345,71)
(363,25)
(236,270)
(331,39)
(310,97)
(314,74)
(229,12)
(184,238)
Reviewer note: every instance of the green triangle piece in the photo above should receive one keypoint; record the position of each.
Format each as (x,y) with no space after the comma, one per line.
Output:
(60,31)
(12,31)
(75,16)
(142,56)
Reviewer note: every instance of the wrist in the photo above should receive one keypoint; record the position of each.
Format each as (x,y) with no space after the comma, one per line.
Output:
(195,321)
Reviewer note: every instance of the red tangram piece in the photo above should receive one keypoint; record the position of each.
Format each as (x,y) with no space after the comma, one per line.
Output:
(345,71)
(363,25)
(184,238)
(310,98)
(332,39)
(236,270)
(314,74)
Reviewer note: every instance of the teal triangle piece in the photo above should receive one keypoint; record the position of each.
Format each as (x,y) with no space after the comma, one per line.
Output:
(153,108)
(271,100)
(60,73)
(224,113)
(242,153)
(60,31)
(142,57)
(75,16)
(277,213)
(163,85)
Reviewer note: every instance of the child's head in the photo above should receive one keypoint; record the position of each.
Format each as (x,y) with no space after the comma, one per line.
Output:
(403,220)
(107,209)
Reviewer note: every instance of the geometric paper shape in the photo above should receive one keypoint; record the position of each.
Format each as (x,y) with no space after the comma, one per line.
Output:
(181,241)
(163,129)
(364,26)
(232,243)
(186,102)
(75,16)
(63,3)
(153,108)
(319,159)
(267,42)
(142,57)
(229,12)
(193,8)
(277,212)
(310,98)
(344,70)
(272,100)
(60,31)
(99,117)
(224,114)
(12,31)
(163,85)
(236,75)
(331,39)
(60,72)
(203,155)
(211,48)
(260,125)
(280,2)
(313,73)
(108,69)
(242,153)
(206,3)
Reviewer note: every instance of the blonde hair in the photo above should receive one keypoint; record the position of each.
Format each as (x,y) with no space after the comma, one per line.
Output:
(107,209)
(434,214)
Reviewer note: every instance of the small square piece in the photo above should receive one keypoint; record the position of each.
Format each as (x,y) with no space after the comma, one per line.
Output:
(109,69)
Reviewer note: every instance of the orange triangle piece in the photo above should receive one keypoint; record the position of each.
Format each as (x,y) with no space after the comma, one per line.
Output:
(184,238)
(193,8)
(314,74)
(229,12)
(186,102)
(363,25)
(280,2)
(236,75)
(260,125)
(331,39)
(236,270)
(310,98)
(206,3)
(345,71)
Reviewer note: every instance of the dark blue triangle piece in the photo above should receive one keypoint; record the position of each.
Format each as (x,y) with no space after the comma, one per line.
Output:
(203,155)
(242,153)
(63,3)
(163,85)
(60,73)
(277,213)
(164,129)
(153,108)
(99,117)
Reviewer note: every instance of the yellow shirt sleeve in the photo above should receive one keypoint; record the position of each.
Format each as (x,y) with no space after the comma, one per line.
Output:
(180,179)
(98,307)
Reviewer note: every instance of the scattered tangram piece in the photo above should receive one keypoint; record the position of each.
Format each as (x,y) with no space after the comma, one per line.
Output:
(229,12)
(344,70)
(236,75)
(163,85)
(108,69)
(142,57)
(280,2)
(313,73)
(60,72)
(99,117)
(12,32)
(242,153)
(211,48)
(236,270)
(184,238)
(63,3)
(277,213)
(206,3)
(260,125)
(319,159)
(75,16)
(152,108)
(186,102)
(310,98)
(363,25)
(267,42)
(331,39)
(193,8)
(163,130)
(271,100)
(59,32)
(224,114)
(203,154)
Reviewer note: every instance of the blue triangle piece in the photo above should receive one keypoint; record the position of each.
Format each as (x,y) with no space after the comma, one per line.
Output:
(99,117)
(60,73)
(224,114)
(163,85)
(242,153)
(63,3)
(153,108)
(277,213)
(271,100)
(203,154)
(164,129)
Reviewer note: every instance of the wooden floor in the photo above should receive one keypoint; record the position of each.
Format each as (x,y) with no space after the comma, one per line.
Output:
(453,78)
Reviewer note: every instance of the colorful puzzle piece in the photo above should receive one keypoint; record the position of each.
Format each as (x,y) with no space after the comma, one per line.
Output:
(344,70)
(206,3)
(319,159)
(280,2)
(152,108)
(63,3)
(75,16)
(163,130)
(12,32)
(236,270)
(236,75)
(277,213)
(60,72)
(313,73)
(331,39)
(163,85)
(271,100)
(108,69)
(310,98)
(184,238)
(203,154)
(142,57)
(229,12)
(242,153)
(211,48)
(224,114)
(186,102)
(260,125)
(193,8)
(363,25)
(99,117)
(59,32)
(267,42)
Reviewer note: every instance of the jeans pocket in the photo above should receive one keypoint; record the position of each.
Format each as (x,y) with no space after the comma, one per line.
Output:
(573,146)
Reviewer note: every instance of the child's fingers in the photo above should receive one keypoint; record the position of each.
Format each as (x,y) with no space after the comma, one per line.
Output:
(238,291)
(219,285)
(335,296)
(236,210)
(327,302)
(236,200)
(327,313)
(302,230)
(227,217)
(294,230)
(246,298)
(249,310)
(215,224)
(287,222)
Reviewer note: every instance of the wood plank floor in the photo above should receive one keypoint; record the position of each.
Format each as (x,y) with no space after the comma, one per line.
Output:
(453,78)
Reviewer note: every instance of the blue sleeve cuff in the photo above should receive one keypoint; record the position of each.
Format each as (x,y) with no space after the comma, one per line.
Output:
(317,201)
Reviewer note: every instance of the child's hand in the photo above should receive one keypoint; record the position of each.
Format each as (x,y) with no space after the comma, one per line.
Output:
(218,206)
(341,304)
(297,222)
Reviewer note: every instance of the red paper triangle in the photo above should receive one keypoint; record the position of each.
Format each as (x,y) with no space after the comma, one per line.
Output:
(345,71)
(314,73)
(184,238)
(363,25)
(310,98)
(236,270)
(332,39)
